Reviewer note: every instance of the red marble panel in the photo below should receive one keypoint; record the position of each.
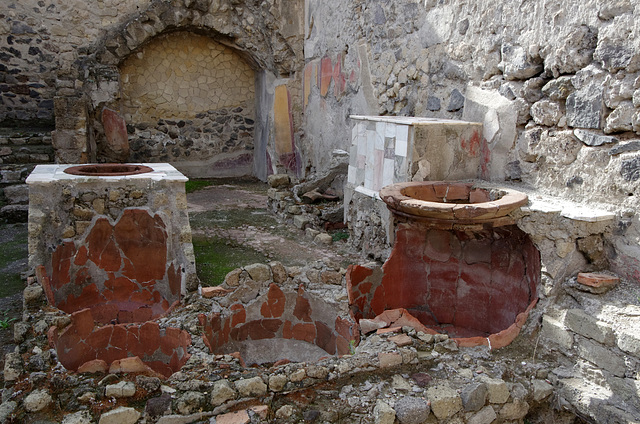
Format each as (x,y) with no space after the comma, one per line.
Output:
(302,310)
(275,304)
(304,332)
(142,239)
(61,263)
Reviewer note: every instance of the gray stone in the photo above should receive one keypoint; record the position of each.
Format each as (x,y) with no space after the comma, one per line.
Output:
(630,146)
(516,63)
(546,112)
(80,417)
(12,366)
(158,406)
(278,180)
(515,410)
(485,416)
(618,90)
(621,119)
(630,169)
(277,382)
(433,103)
(614,8)
(629,341)
(37,401)
(412,410)
(555,331)
(150,384)
(285,411)
(383,413)
(251,387)
(6,409)
(122,389)
(587,325)
(593,139)
(474,396)
(121,415)
(445,401)
(17,194)
(541,390)
(323,238)
(456,101)
(301,221)
(33,294)
(559,88)
(585,107)
(190,402)
(222,392)
(20,331)
(279,272)
(601,356)
(259,272)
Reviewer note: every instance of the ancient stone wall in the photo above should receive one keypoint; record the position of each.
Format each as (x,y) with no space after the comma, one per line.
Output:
(74,74)
(553,83)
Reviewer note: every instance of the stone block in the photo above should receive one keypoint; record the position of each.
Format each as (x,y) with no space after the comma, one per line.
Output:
(120,390)
(301,221)
(278,180)
(383,413)
(445,401)
(497,390)
(585,107)
(515,410)
(412,410)
(541,390)
(221,392)
(251,387)
(121,415)
(277,382)
(556,332)
(601,357)
(498,116)
(629,341)
(259,272)
(486,415)
(17,194)
(474,396)
(587,325)
(389,359)
(516,64)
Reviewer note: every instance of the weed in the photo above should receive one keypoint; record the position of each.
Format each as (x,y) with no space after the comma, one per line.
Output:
(340,235)
(5,323)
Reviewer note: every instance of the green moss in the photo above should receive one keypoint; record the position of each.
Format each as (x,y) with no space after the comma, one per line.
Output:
(13,258)
(216,257)
(194,185)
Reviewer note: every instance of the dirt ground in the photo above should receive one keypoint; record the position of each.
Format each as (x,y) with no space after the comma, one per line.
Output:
(232,216)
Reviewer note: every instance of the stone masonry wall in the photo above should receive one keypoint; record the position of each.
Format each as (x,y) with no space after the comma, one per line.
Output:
(81,76)
(553,83)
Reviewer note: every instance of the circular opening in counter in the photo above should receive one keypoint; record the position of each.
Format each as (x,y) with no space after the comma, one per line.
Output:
(108,169)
